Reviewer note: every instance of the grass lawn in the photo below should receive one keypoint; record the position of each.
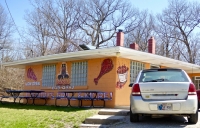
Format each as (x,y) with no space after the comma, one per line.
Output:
(33,116)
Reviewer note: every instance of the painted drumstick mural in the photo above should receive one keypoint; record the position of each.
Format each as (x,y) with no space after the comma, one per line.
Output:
(106,66)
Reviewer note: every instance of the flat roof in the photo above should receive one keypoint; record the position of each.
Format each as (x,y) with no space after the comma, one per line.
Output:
(117,51)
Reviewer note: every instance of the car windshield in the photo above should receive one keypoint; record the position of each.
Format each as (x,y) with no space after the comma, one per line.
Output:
(163,75)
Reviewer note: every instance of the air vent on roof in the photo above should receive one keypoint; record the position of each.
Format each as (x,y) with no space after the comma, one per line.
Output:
(153,66)
(86,47)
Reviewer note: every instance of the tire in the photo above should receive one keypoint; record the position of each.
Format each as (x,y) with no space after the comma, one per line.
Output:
(134,117)
(193,118)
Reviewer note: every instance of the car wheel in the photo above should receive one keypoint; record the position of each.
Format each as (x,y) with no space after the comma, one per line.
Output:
(193,118)
(134,117)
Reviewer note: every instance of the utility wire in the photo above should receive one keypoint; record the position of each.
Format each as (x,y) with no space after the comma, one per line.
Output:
(13,20)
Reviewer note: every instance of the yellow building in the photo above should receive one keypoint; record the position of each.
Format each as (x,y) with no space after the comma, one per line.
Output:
(108,69)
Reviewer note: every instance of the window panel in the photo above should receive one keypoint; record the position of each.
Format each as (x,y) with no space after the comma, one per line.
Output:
(48,75)
(79,73)
(135,67)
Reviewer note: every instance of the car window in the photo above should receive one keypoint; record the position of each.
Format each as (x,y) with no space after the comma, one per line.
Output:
(168,75)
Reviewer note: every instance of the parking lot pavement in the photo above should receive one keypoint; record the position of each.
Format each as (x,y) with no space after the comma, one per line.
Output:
(162,122)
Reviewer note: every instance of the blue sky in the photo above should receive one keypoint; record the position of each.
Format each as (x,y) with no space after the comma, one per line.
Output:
(19,7)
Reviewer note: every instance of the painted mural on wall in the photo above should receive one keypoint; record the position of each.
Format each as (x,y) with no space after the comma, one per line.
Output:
(122,72)
(31,75)
(106,66)
(63,77)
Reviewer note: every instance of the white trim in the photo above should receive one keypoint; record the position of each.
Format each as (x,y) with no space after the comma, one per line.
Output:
(118,51)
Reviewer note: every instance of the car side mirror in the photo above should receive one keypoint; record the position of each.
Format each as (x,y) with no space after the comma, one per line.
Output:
(130,85)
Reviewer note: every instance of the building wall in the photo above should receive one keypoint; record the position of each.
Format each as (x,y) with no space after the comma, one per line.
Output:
(105,83)
(115,81)
(193,74)
(31,83)
(122,93)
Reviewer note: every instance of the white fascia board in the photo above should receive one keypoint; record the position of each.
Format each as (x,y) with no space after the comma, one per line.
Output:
(105,52)
(117,51)
(164,61)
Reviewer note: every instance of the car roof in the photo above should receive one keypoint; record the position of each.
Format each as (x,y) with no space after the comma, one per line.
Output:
(160,69)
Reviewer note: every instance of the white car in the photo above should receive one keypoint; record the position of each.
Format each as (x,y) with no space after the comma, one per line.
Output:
(164,91)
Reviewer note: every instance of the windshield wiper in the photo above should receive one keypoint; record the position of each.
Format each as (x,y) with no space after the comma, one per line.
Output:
(157,80)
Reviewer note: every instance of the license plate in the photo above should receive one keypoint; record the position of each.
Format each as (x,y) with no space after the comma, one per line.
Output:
(165,106)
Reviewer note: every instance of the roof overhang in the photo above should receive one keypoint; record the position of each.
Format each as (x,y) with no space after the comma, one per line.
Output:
(118,51)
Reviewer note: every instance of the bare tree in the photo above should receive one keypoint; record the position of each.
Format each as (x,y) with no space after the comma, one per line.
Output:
(41,43)
(59,17)
(196,39)
(12,78)
(99,19)
(9,78)
(142,32)
(6,29)
(182,18)
(166,45)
